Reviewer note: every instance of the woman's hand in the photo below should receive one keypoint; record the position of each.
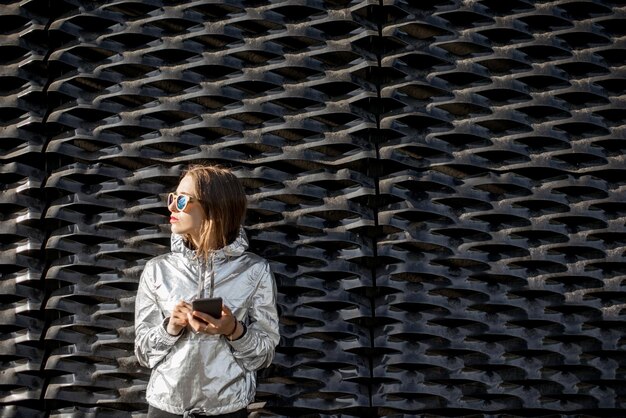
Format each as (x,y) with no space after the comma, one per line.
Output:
(201,322)
(178,318)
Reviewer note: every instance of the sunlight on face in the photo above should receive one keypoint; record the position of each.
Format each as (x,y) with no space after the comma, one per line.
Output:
(189,221)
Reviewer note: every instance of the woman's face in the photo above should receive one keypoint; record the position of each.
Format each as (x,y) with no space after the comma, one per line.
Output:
(189,220)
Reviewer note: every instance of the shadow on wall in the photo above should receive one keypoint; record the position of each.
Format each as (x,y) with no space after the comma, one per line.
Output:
(439,186)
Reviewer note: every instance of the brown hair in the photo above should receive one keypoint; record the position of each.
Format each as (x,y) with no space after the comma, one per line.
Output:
(224,202)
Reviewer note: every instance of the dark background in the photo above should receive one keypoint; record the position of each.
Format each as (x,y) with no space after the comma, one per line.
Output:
(439,185)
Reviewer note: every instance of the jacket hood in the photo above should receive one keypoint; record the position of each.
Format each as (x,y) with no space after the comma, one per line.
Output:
(235,248)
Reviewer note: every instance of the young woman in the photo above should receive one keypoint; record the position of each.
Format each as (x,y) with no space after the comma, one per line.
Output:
(204,365)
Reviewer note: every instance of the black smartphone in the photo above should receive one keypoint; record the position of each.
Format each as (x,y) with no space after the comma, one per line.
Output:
(210,306)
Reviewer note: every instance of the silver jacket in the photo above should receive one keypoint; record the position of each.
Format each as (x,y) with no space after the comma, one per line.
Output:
(200,373)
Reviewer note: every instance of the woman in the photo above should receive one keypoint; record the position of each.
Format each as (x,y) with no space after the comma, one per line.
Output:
(202,365)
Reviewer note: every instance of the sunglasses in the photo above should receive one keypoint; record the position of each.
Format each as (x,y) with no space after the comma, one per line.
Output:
(181,200)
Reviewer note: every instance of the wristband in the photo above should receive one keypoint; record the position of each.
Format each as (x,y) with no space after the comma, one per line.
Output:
(245,329)
(230,334)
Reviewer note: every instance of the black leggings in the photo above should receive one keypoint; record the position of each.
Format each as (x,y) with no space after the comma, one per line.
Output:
(157,413)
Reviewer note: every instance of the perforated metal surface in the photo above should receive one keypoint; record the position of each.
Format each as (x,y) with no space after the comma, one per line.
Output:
(439,185)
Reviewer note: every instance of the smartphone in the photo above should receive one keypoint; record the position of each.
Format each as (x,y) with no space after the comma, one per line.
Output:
(210,306)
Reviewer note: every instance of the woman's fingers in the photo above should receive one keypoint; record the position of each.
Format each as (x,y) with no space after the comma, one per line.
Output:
(199,325)
(204,317)
(182,306)
(205,323)
(226,311)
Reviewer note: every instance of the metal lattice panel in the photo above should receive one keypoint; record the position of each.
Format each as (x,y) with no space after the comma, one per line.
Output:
(438,184)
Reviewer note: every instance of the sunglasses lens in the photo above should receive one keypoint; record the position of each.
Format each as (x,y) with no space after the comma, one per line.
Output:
(180,199)
(181,202)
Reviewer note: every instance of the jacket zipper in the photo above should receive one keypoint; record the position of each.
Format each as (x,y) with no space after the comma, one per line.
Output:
(201,273)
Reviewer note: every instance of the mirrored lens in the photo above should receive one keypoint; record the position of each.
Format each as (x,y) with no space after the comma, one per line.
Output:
(181,201)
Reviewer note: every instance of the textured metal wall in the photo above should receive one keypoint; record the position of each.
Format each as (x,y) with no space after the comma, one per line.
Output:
(440,186)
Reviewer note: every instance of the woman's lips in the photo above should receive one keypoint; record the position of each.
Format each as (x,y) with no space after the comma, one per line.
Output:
(173,219)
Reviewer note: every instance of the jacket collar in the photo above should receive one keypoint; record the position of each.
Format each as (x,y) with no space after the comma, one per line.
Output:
(234,249)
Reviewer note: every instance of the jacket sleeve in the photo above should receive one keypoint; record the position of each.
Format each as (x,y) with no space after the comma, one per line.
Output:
(255,349)
(152,341)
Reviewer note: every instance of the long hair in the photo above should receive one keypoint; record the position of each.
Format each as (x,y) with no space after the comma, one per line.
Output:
(224,202)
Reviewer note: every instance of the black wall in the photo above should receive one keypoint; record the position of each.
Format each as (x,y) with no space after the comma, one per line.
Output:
(440,186)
